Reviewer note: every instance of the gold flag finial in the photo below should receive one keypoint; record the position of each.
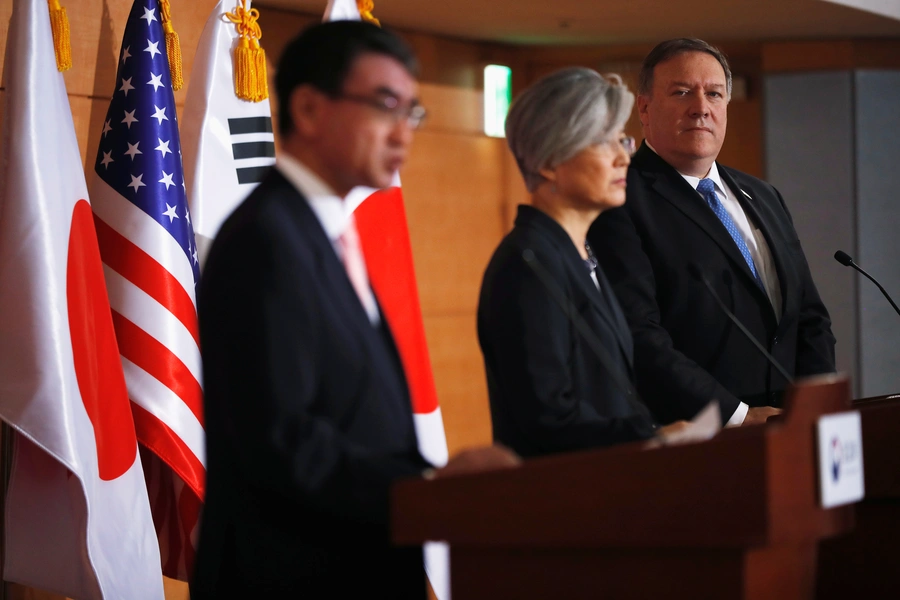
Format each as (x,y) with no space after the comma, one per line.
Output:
(62,44)
(365,11)
(173,46)
(250,80)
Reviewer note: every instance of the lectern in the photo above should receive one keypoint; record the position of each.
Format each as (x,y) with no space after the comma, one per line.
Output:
(863,564)
(734,517)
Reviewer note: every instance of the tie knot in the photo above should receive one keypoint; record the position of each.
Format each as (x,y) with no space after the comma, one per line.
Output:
(706,186)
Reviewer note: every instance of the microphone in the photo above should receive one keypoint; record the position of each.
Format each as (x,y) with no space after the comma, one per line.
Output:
(697,273)
(844,258)
(588,334)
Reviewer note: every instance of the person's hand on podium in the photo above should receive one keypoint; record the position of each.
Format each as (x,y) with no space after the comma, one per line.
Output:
(760,414)
(671,428)
(473,460)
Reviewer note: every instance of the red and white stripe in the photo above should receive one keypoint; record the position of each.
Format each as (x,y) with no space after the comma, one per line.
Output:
(151,293)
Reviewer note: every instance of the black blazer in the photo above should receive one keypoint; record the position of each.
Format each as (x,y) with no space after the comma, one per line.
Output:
(549,392)
(686,350)
(308,417)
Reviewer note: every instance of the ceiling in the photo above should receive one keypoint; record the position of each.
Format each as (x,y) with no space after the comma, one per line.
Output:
(626,21)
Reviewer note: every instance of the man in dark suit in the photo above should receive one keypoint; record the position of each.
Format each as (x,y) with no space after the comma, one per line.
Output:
(308,416)
(685,209)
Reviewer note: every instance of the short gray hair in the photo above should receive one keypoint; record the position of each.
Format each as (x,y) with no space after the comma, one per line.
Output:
(668,50)
(561,115)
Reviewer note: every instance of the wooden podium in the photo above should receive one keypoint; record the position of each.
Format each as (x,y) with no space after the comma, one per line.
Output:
(735,517)
(861,564)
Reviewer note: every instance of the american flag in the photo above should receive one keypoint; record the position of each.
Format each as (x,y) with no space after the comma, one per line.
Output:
(151,265)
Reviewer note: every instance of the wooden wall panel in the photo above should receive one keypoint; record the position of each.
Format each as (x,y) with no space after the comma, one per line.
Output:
(453,189)
(452,109)
(459,375)
(96,29)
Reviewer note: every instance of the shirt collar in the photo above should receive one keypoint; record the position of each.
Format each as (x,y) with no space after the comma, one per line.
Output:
(329,208)
(695,181)
(713,174)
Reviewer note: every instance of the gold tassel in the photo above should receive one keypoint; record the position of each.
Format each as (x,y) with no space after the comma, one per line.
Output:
(62,44)
(250,79)
(173,46)
(365,11)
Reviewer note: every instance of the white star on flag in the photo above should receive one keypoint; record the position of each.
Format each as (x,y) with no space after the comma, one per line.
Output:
(133,150)
(187,215)
(126,86)
(167,179)
(149,14)
(107,158)
(136,182)
(163,147)
(126,54)
(152,48)
(170,213)
(194,255)
(160,114)
(106,128)
(155,81)
(129,118)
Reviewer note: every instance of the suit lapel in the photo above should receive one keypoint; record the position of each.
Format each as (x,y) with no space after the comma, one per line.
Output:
(672,187)
(545,231)
(340,292)
(765,222)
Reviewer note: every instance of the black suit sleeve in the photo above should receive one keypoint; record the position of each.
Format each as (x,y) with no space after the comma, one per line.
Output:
(264,352)
(815,340)
(529,343)
(671,384)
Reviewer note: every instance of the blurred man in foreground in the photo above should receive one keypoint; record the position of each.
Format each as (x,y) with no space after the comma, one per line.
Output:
(308,414)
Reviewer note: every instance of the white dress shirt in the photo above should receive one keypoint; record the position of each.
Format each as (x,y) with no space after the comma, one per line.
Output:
(329,208)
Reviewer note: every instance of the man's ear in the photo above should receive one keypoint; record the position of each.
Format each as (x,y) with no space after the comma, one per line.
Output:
(643,103)
(306,107)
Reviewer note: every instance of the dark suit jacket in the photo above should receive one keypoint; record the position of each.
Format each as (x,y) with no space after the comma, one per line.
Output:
(549,391)
(308,417)
(686,350)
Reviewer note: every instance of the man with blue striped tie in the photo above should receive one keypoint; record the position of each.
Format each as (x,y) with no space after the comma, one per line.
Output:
(684,211)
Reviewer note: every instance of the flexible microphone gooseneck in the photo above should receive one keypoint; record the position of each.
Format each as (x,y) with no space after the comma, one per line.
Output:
(587,333)
(844,258)
(697,273)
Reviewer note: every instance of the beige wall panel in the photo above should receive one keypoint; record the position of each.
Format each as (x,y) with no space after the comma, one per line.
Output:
(278,28)
(175,590)
(447,61)
(742,149)
(806,56)
(453,189)
(459,376)
(515,192)
(452,109)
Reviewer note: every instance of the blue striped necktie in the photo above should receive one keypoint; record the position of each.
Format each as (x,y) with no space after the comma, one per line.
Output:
(707,189)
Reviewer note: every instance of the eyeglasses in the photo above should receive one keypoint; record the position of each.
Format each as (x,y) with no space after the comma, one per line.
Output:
(627,142)
(413,114)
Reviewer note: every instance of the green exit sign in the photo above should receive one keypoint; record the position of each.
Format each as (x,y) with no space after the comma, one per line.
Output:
(497,97)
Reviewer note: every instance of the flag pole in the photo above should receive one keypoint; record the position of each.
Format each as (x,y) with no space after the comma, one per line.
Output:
(6,439)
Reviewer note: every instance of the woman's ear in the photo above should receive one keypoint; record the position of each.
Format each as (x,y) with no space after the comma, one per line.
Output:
(548,173)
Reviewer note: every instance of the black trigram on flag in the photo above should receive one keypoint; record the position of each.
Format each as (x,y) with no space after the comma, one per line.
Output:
(253,147)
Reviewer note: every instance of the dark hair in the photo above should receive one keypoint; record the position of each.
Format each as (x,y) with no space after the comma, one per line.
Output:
(670,49)
(323,55)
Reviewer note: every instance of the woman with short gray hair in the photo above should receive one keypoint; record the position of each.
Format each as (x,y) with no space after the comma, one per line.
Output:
(552,389)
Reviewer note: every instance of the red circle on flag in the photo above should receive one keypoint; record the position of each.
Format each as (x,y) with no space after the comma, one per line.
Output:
(94,350)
